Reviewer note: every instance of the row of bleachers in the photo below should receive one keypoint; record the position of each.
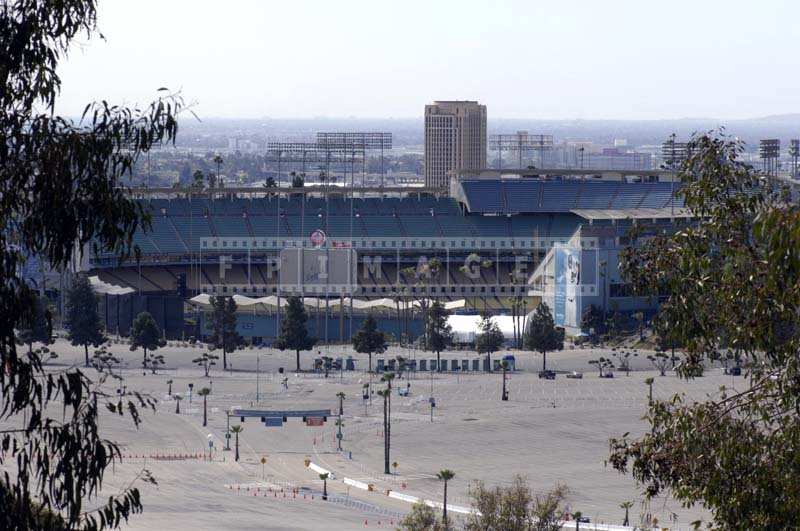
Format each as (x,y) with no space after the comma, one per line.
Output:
(527,195)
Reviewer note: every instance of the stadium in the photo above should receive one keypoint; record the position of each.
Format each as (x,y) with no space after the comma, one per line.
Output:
(496,242)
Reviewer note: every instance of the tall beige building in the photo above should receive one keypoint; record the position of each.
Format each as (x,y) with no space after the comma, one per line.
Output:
(455,139)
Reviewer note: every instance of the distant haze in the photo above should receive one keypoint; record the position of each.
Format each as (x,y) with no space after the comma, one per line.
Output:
(566,59)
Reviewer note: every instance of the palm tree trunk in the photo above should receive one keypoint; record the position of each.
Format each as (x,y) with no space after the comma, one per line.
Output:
(444,507)
(438,362)
(297,354)
(205,410)
(224,359)
(370,361)
(324,489)
(237,447)
(544,361)
(86,353)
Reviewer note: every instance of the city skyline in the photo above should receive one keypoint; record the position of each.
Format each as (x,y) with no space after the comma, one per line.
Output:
(567,61)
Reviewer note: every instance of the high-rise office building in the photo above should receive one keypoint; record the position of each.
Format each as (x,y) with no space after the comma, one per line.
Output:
(455,139)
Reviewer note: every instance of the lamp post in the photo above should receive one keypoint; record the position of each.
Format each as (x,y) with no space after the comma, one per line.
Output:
(258,378)
(191,386)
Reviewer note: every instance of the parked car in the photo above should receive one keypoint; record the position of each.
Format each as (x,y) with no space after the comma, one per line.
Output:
(607,375)
(575,375)
(547,375)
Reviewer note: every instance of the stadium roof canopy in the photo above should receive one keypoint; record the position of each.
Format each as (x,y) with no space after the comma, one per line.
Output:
(518,196)
(632,213)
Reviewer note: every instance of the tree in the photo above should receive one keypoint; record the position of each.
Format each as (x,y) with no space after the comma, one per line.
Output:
(236,430)
(294,334)
(542,335)
(627,506)
(146,334)
(387,419)
(218,162)
(177,399)
(729,279)
(515,508)
(369,340)
(602,364)
(38,327)
(324,478)
(224,336)
(421,518)
(204,392)
(623,359)
(82,319)
(489,340)
(445,476)
(62,193)
(206,361)
(660,361)
(198,180)
(438,332)
(593,321)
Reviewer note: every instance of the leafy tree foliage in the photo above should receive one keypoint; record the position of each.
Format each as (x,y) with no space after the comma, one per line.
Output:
(369,340)
(294,334)
(515,507)
(206,361)
(603,365)
(61,191)
(438,332)
(623,357)
(542,335)
(38,326)
(224,335)
(731,281)
(82,319)
(146,334)
(421,518)
(490,338)
(660,361)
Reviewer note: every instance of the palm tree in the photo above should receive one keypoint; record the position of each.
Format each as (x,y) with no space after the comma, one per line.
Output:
(204,392)
(178,399)
(340,396)
(237,430)
(169,388)
(324,478)
(626,505)
(445,475)
(218,162)
(387,419)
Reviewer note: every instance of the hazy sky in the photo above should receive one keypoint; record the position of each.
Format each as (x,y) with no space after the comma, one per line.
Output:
(379,58)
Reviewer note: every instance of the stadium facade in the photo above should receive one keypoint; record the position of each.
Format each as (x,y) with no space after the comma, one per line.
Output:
(490,243)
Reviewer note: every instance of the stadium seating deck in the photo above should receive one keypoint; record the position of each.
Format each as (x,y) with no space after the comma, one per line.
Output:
(530,195)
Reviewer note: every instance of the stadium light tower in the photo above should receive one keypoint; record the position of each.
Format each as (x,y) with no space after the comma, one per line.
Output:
(520,142)
(794,153)
(769,150)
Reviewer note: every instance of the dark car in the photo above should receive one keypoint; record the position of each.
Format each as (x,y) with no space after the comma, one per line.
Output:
(547,375)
